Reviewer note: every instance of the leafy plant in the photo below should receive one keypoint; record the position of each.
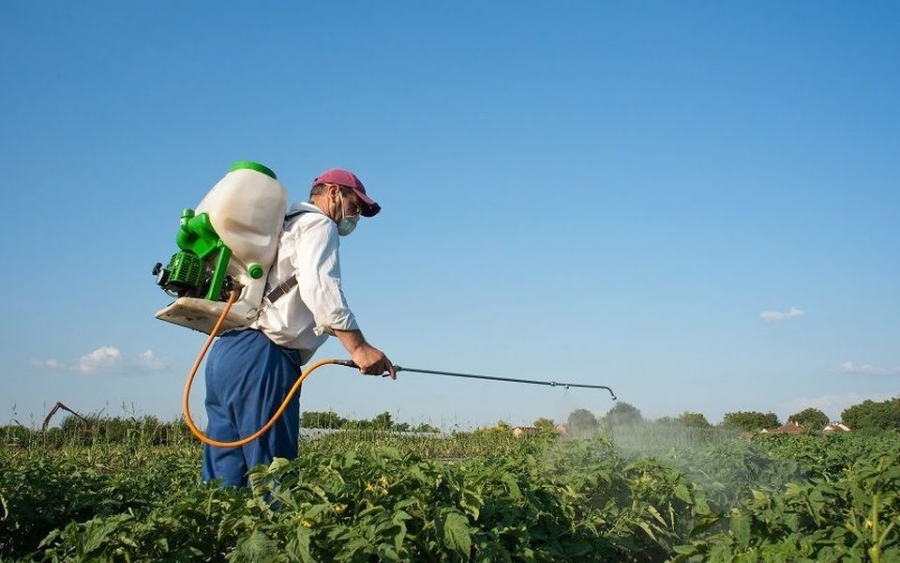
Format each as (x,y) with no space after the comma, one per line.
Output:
(644,493)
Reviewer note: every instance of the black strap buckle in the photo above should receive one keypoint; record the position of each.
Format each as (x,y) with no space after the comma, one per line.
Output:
(282,290)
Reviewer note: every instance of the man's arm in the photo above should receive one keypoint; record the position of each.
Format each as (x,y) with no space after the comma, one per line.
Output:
(318,271)
(371,360)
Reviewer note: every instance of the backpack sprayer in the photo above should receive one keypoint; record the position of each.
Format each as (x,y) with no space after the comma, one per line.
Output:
(218,277)
(227,243)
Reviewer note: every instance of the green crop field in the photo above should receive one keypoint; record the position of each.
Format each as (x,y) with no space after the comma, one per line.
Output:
(643,493)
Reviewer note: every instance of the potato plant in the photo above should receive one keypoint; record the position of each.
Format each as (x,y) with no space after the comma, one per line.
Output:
(484,496)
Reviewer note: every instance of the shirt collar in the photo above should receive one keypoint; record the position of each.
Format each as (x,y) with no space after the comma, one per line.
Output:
(305,207)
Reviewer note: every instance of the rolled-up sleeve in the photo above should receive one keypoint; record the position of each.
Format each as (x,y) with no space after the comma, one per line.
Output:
(317,266)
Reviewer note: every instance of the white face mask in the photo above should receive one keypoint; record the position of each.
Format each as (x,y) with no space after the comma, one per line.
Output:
(347,223)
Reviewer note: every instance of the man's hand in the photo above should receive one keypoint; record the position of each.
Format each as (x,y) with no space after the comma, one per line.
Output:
(371,360)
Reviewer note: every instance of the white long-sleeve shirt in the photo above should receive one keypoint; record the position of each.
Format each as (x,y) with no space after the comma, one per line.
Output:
(304,317)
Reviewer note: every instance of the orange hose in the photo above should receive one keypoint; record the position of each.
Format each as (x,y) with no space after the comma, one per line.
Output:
(185,405)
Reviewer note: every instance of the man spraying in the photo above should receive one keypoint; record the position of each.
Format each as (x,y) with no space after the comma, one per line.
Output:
(250,371)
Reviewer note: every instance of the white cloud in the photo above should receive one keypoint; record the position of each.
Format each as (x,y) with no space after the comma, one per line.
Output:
(104,357)
(774,316)
(867,369)
(149,361)
(48,364)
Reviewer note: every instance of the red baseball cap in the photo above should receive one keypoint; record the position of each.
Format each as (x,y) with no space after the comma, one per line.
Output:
(348,179)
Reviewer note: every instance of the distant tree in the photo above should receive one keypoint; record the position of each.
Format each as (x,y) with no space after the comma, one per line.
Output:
(501,431)
(693,420)
(750,421)
(313,419)
(582,421)
(870,415)
(544,425)
(622,414)
(423,427)
(79,429)
(811,419)
(383,421)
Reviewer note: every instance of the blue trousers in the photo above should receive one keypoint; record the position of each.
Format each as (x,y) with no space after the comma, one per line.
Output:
(247,378)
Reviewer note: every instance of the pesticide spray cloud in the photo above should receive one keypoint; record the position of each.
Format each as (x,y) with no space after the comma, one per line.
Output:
(724,464)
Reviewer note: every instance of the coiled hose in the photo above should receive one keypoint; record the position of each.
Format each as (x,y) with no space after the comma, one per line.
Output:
(185,404)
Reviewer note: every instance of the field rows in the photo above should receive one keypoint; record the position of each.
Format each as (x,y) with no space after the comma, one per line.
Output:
(638,494)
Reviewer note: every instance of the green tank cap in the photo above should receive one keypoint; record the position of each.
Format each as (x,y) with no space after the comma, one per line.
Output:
(255,270)
(250,165)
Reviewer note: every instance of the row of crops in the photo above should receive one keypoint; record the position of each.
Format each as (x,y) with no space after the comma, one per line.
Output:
(637,494)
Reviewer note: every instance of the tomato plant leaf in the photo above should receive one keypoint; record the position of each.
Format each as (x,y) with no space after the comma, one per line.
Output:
(457,534)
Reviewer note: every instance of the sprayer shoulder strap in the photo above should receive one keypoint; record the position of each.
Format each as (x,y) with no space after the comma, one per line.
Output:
(284,287)
(281,290)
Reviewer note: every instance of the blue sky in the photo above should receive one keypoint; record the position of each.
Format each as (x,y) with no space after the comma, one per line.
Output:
(695,203)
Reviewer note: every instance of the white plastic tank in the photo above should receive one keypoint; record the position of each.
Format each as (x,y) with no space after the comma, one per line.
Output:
(246,208)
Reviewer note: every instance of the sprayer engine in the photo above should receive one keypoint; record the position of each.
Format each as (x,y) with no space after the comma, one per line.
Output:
(187,274)
(183,277)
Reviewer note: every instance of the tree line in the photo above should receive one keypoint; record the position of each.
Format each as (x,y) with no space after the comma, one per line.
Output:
(868,416)
(96,429)
(383,421)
